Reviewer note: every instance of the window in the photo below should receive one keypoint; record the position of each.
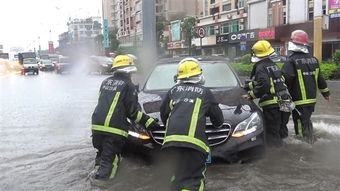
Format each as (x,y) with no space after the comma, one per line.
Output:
(227,7)
(212,1)
(81,26)
(241,3)
(310,14)
(284,2)
(225,28)
(210,30)
(214,10)
(284,18)
(324,11)
(235,26)
(270,20)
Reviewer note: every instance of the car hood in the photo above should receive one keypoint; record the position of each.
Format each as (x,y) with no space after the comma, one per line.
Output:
(235,109)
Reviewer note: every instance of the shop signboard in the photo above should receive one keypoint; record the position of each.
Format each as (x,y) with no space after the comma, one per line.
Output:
(334,9)
(106,34)
(222,39)
(175,45)
(249,35)
(175,30)
(266,34)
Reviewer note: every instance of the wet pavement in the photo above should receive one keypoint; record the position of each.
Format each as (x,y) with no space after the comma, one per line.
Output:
(45,143)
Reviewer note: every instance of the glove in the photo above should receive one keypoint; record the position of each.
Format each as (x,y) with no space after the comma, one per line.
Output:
(154,125)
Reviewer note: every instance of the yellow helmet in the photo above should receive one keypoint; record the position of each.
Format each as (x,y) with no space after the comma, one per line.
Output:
(122,60)
(187,68)
(262,48)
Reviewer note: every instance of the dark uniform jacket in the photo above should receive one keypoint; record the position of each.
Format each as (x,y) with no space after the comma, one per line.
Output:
(118,100)
(184,111)
(267,83)
(303,78)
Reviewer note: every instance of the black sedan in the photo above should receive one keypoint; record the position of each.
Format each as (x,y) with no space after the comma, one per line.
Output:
(99,64)
(243,129)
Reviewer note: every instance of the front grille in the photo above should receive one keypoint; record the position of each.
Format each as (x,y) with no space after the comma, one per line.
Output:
(215,136)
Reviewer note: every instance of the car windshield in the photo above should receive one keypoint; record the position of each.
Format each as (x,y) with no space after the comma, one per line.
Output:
(216,74)
(47,62)
(29,61)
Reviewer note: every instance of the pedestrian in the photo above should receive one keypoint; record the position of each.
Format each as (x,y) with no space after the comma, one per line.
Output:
(118,101)
(184,110)
(267,83)
(303,78)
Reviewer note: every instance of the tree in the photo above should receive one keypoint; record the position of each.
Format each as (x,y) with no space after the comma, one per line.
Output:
(99,43)
(188,28)
(114,43)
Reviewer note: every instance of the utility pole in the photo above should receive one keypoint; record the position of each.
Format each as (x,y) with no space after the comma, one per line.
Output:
(318,29)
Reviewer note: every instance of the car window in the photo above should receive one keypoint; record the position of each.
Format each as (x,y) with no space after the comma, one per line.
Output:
(217,75)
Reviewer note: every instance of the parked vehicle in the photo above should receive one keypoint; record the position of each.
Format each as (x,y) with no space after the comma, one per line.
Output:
(243,129)
(99,64)
(63,65)
(46,65)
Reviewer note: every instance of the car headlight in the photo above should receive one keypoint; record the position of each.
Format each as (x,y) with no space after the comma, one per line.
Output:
(250,125)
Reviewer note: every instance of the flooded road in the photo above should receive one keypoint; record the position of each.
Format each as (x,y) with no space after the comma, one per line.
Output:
(45,144)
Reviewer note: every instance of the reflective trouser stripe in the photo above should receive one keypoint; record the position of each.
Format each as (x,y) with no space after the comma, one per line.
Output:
(202,180)
(302,85)
(250,84)
(324,90)
(110,130)
(251,93)
(303,102)
(112,109)
(184,138)
(185,190)
(114,167)
(139,117)
(194,117)
(269,102)
(148,122)
(299,124)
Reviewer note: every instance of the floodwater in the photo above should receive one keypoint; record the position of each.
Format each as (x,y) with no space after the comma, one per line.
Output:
(45,144)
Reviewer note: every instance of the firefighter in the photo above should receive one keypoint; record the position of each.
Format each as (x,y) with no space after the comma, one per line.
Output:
(303,78)
(118,101)
(184,110)
(268,84)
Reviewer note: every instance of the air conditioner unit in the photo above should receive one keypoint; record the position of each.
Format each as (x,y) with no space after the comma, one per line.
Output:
(229,16)
(241,20)
(241,27)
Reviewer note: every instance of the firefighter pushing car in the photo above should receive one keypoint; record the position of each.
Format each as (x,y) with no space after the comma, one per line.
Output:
(303,78)
(183,111)
(268,84)
(118,101)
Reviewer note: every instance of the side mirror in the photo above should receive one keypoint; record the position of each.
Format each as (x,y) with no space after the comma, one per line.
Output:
(175,78)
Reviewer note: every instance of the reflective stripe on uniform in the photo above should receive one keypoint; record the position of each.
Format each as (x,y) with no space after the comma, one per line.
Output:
(202,180)
(194,117)
(324,90)
(250,84)
(139,117)
(114,167)
(272,87)
(269,102)
(307,101)
(110,130)
(302,85)
(185,138)
(317,75)
(112,109)
(251,93)
(299,128)
(148,122)
(171,105)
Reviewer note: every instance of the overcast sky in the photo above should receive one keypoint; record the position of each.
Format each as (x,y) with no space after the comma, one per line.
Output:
(23,21)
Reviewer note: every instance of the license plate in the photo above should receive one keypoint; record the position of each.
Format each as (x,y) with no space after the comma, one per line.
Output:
(209,159)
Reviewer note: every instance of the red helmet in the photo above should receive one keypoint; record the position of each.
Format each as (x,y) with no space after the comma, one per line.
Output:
(300,37)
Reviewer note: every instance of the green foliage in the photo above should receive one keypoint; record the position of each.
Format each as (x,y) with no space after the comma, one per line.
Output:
(114,43)
(243,69)
(246,59)
(188,28)
(328,69)
(336,57)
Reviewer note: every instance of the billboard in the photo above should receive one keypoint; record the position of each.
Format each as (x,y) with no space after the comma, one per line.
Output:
(106,34)
(334,9)
(175,30)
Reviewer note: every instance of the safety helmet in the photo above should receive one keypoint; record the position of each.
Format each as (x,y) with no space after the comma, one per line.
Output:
(123,63)
(262,48)
(187,68)
(300,37)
